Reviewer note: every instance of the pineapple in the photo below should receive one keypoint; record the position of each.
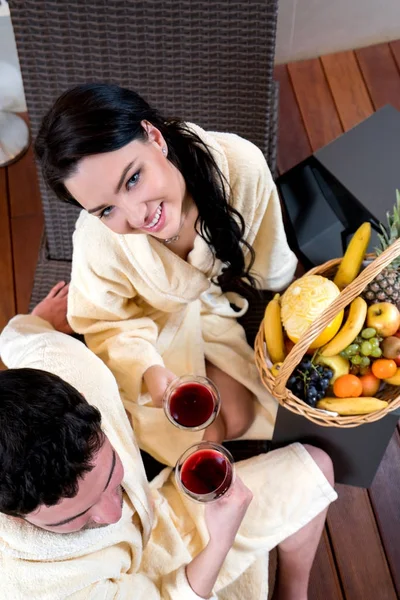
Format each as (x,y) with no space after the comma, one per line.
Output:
(386,286)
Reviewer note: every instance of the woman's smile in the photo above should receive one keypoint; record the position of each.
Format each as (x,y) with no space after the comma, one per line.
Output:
(156,221)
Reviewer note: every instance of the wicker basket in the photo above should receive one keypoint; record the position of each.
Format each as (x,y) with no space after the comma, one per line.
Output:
(277,385)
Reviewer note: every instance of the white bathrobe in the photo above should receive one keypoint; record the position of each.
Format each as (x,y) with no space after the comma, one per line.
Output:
(143,556)
(139,304)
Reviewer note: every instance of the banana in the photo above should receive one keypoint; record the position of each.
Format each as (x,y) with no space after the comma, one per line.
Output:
(352,406)
(395,380)
(273,331)
(339,365)
(350,330)
(351,262)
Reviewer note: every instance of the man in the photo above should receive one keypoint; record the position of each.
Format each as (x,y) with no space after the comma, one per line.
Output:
(78,518)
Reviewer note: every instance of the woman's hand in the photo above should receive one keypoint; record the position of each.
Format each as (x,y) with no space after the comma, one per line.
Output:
(157,379)
(53,308)
(224,517)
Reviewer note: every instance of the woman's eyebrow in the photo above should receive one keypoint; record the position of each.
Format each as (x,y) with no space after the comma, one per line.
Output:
(123,175)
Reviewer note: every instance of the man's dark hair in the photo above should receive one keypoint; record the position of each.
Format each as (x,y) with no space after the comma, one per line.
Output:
(49,435)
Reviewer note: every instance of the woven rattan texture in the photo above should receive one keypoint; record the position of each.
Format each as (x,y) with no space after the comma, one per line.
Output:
(277,386)
(209,62)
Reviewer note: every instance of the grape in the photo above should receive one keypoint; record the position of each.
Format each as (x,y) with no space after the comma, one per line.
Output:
(376,352)
(358,340)
(352,349)
(374,342)
(365,361)
(366,348)
(305,364)
(320,395)
(299,386)
(368,333)
(312,391)
(329,373)
(315,376)
(356,360)
(324,383)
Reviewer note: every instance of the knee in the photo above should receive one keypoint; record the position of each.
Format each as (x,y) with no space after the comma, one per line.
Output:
(323,461)
(236,424)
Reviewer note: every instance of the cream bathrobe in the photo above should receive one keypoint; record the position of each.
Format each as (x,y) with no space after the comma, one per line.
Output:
(143,556)
(139,304)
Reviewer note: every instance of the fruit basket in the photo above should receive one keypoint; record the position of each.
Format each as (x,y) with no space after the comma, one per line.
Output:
(276,382)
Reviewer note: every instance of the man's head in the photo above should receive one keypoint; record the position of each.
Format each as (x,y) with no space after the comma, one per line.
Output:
(58,470)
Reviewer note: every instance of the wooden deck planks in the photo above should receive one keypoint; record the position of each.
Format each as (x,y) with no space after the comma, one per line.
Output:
(385,494)
(293,144)
(352,100)
(381,75)
(315,102)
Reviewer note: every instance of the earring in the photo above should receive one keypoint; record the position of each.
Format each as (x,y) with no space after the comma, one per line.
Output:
(164,151)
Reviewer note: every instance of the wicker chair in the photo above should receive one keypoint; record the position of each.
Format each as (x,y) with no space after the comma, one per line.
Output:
(208,62)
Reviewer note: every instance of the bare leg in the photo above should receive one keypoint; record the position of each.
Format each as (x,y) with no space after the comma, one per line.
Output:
(296,554)
(216,432)
(237,405)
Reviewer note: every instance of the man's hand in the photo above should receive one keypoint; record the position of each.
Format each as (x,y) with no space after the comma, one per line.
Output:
(54,308)
(157,379)
(223,519)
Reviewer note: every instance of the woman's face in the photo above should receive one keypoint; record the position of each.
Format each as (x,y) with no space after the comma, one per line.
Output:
(135,189)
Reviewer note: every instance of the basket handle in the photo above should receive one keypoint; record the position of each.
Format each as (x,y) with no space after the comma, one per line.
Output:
(346,296)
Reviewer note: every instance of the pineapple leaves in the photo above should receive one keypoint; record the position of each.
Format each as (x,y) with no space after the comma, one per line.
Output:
(391,232)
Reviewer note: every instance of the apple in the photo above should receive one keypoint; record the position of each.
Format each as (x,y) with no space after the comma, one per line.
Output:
(384,317)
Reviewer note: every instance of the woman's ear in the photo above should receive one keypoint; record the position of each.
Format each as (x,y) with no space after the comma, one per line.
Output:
(154,135)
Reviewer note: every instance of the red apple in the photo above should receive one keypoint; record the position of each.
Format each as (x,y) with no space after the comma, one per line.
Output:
(397,361)
(384,317)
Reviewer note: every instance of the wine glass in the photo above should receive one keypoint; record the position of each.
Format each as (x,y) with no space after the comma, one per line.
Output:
(205,472)
(191,402)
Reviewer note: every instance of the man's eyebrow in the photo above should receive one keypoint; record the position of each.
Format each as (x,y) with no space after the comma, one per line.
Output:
(113,462)
(65,521)
(117,189)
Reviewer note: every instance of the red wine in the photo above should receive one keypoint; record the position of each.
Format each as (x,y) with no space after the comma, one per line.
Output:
(191,404)
(206,471)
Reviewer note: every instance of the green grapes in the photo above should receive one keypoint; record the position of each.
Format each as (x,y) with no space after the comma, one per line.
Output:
(368,333)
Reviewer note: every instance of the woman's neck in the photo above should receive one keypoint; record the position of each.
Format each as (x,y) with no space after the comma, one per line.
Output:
(182,243)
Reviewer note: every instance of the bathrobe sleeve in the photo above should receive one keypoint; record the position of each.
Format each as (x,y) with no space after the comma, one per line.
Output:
(173,586)
(104,306)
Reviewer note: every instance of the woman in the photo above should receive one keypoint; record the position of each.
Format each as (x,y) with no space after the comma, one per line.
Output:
(172,213)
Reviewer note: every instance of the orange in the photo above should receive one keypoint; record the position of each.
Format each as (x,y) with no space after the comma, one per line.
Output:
(347,386)
(370,384)
(383,368)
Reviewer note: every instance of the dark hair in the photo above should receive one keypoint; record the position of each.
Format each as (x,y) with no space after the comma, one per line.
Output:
(49,435)
(96,118)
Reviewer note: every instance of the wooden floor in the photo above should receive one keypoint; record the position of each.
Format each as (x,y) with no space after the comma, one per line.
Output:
(359,554)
